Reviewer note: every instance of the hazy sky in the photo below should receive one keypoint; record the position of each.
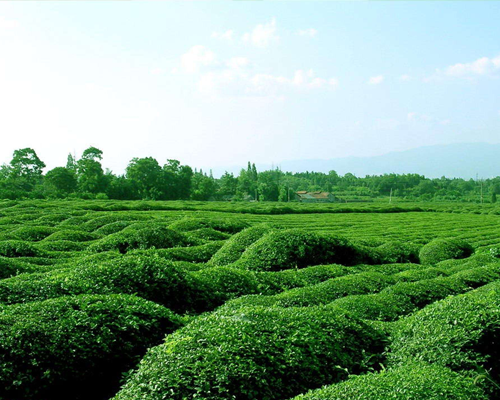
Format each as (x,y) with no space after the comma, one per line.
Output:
(220,83)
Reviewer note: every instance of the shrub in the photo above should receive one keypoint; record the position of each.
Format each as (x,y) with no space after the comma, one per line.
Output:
(238,243)
(414,275)
(222,225)
(33,233)
(61,245)
(11,267)
(150,277)
(155,236)
(461,332)
(415,381)
(443,249)
(112,227)
(19,248)
(257,353)
(397,252)
(379,306)
(208,234)
(76,347)
(278,281)
(295,248)
(197,254)
(72,235)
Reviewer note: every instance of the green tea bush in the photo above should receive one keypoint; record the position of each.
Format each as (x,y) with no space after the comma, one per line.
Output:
(61,245)
(208,234)
(443,249)
(379,306)
(52,219)
(461,332)
(196,254)
(72,235)
(76,347)
(33,233)
(414,275)
(238,243)
(278,281)
(19,248)
(415,381)
(256,353)
(96,223)
(333,289)
(152,278)
(223,283)
(12,266)
(154,236)
(424,292)
(223,225)
(297,249)
(397,252)
(112,227)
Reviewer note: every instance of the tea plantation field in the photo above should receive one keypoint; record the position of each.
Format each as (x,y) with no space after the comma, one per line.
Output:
(266,301)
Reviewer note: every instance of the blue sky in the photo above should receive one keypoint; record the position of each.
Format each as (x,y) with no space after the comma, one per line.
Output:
(215,84)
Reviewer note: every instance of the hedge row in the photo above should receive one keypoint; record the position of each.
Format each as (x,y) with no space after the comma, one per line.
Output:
(414,381)
(76,347)
(257,353)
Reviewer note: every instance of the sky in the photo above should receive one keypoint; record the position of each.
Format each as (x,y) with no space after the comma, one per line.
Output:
(216,84)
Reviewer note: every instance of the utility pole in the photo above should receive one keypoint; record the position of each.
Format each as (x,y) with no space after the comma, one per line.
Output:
(481,191)
(390,197)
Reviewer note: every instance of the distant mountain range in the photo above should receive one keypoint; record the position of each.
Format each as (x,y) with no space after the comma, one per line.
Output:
(460,160)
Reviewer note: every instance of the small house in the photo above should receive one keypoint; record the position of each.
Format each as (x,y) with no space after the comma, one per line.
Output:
(315,197)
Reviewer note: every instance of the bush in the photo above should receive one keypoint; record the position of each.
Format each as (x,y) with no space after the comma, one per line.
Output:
(416,381)
(461,332)
(297,249)
(61,245)
(397,252)
(112,227)
(238,243)
(208,234)
(414,275)
(257,353)
(11,267)
(222,225)
(443,249)
(33,233)
(19,248)
(72,235)
(196,254)
(151,278)
(279,281)
(154,236)
(76,347)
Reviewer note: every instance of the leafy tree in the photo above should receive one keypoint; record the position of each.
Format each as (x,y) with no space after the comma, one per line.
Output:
(145,175)
(90,173)
(61,180)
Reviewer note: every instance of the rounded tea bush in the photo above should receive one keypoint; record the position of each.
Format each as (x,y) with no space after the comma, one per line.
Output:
(76,347)
(33,233)
(72,235)
(19,248)
(444,249)
(11,267)
(297,249)
(256,353)
(415,381)
(238,243)
(149,277)
(223,225)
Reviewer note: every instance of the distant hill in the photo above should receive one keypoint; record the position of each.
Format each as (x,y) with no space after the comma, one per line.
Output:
(461,160)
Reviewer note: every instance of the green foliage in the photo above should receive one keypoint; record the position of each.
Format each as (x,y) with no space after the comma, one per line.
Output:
(208,234)
(152,237)
(295,248)
(76,347)
(444,249)
(460,332)
(12,266)
(72,235)
(415,381)
(223,225)
(33,233)
(151,278)
(238,243)
(19,248)
(256,353)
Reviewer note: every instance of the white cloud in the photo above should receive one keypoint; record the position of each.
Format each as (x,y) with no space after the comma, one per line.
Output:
(197,57)
(375,80)
(8,24)
(311,32)
(227,35)
(405,78)
(415,117)
(238,62)
(262,35)
(481,67)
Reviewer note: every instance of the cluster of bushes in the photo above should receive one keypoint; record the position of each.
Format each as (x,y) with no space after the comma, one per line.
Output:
(230,226)
(76,347)
(444,249)
(414,381)
(256,353)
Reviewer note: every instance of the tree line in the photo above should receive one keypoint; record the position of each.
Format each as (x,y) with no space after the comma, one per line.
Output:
(146,179)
